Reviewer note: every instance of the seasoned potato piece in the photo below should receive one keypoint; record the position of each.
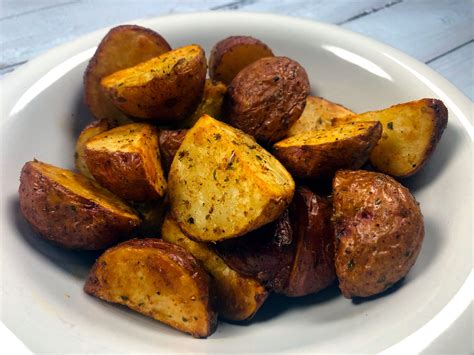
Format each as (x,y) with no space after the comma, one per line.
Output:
(379,231)
(232,54)
(238,297)
(90,131)
(223,185)
(126,161)
(266,98)
(170,141)
(164,88)
(71,210)
(411,132)
(318,114)
(319,154)
(123,47)
(211,103)
(158,279)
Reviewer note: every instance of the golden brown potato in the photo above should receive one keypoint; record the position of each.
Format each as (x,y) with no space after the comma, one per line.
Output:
(238,297)
(319,154)
(410,134)
(158,279)
(164,88)
(170,141)
(232,54)
(211,103)
(222,184)
(90,131)
(295,255)
(126,161)
(266,98)
(318,114)
(71,210)
(379,231)
(123,47)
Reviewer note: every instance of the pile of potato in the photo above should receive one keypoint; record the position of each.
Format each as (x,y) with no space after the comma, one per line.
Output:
(198,188)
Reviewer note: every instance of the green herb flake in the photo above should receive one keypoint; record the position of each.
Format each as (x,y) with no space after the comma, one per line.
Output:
(390,125)
(124,298)
(191,220)
(350,264)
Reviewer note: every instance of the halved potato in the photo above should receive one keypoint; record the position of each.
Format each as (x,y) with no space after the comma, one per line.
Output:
(222,184)
(319,154)
(318,114)
(411,132)
(126,161)
(71,210)
(170,141)
(164,88)
(123,47)
(90,131)
(211,103)
(238,297)
(232,54)
(158,279)
(379,231)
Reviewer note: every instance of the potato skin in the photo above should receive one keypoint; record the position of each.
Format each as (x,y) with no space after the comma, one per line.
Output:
(66,219)
(167,88)
(123,47)
(232,54)
(170,141)
(379,231)
(321,161)
(266,98)
(173,287)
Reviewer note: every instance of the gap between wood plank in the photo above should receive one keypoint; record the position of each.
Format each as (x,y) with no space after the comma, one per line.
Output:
(38,10)
(450,51)
(374,10)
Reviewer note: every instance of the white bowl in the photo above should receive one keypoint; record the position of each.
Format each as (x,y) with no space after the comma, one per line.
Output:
(43,112)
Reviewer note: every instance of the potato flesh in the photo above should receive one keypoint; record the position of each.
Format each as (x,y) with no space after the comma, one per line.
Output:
(410,134)
(162,283)
(318,114)
(237,297)
(222,184)
(139,139)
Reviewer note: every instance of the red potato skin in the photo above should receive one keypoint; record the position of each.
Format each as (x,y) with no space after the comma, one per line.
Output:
(379,231)
(170,141)
(266,98)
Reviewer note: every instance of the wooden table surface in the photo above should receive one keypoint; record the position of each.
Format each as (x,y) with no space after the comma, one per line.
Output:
(439,33)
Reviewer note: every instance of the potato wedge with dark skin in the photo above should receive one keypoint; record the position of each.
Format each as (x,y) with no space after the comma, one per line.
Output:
(318,114)
(123,47)
(319,154)
(379,231)
(295,255)
(232,54)
(158,279)
(170,141)
(126,161)
(210,104)
(238,297)
(266,98)
(166,88)
(71,210)
(410,134)
(90,131)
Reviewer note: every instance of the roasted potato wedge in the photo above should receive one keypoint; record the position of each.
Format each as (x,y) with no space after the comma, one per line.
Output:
(165,88)
(126,161)
(211,103)
(266,98)
(379,231)
(411,132)
(319,154)
(318,114)
(123,47)
(158,279)
(90,131)
(71,210)
(238,297)
(170,141)
(223,185)
(295,255)
(232,54)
